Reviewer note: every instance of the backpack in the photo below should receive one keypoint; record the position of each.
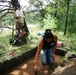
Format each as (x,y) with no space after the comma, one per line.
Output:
(18,39)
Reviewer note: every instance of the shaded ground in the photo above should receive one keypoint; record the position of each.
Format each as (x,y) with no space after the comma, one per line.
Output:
(69,68)
(26,68)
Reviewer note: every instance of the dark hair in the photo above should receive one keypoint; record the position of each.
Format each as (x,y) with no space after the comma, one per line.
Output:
(48,30)
(18,4)
(48,34)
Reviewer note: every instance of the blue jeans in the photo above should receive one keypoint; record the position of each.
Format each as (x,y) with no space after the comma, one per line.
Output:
(45,56)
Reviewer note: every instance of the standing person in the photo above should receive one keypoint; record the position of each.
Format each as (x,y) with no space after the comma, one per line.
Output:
(19,16)
(46,49)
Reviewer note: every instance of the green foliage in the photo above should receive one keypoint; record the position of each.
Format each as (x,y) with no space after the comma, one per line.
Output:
(38,11)
(72,19)
(49,22)
(72,41)
(32,18)
(43,13)
(52,23)
(6,47)
(49,9)
(4,40)
(51,15)
(8,20)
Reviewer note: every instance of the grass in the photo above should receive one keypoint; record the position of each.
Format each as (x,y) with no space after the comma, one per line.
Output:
(6,50)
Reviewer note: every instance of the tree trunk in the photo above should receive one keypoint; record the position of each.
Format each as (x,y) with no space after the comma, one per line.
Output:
(25,26)
(66,20)
(1,28)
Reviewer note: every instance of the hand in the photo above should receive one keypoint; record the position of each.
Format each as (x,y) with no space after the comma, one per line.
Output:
(53,55)
(24,16)
(35,68)
(17,17)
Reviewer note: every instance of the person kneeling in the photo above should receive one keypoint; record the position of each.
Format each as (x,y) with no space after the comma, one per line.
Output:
(46,49)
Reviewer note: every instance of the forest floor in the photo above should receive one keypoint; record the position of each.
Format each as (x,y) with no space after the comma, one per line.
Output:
(58,68)
(26,68)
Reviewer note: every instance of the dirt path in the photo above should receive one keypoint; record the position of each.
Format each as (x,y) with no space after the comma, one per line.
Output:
(26,68)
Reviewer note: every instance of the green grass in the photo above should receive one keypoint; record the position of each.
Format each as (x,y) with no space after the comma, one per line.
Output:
(32,41)
(6,48)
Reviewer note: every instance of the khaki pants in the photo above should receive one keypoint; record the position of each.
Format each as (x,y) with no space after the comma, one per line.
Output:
(19,25)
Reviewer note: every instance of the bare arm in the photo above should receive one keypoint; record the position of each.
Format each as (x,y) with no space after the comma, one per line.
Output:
(15,14)
(24,14)
(55,39)
(38,51)
(37,54)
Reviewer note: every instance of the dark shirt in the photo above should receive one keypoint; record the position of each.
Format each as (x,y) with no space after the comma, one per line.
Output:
(49,45)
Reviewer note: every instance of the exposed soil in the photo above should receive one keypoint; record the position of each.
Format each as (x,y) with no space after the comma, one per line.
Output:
(26,68)
(69,68)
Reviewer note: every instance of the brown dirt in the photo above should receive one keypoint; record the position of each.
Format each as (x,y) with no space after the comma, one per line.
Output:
(26,68)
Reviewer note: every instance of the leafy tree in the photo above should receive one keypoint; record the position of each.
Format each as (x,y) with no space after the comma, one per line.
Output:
(72,17)
(50,22)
